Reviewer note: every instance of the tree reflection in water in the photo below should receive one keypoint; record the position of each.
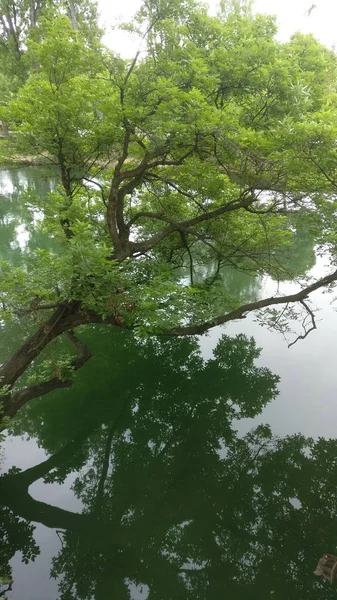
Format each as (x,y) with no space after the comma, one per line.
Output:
(175,501)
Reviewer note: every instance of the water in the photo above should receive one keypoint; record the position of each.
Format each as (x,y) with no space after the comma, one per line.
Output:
(155,476)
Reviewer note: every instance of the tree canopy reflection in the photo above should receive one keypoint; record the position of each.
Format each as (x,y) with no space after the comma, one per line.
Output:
(174,500)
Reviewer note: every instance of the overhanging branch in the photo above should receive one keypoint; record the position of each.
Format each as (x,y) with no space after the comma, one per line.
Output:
(242,311)
(14,400)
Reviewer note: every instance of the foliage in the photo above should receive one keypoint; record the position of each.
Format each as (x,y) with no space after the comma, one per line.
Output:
(22,19)
(16,536)
(169,376)
(63,112)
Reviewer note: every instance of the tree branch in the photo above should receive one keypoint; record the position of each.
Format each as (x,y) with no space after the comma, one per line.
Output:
(242,311)
(100,186)
(306,331)
(185,243)
(146,245)
(177,189)
(35,307)
(15,400)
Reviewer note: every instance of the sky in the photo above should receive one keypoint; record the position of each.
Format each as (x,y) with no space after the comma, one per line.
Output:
(292,15)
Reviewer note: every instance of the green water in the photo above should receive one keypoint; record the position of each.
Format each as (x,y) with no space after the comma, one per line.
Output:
(157,475)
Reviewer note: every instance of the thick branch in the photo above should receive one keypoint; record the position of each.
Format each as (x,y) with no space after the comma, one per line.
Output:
(67,322)
(72,14)
(54,517)
(26,478)
(104,471)
(34,307)
(12,31)
(64,319)
(17,364)
(119,230)
(115,212)
(15,400)
(185,243)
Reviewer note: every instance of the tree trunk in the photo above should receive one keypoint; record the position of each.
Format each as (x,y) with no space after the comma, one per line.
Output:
(13,33)
(72,14)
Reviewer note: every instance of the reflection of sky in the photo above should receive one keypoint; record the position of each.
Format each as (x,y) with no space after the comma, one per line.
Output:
(22,237)
(21,232)
(6,183)
(7,188)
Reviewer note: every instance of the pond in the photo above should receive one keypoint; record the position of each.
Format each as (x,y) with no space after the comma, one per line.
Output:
(173,468)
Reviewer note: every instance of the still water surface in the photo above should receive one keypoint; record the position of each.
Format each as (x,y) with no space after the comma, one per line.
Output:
(172,469)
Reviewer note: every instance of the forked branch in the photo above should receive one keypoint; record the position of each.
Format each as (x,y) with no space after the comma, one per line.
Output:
(306,329)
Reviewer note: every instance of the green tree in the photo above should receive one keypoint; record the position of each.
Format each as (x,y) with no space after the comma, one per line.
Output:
(228,7)
(25,20)
(197,153)
(20,17)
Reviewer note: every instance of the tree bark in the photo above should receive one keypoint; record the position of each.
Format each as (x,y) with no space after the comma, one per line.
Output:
(12,31)
(65,318)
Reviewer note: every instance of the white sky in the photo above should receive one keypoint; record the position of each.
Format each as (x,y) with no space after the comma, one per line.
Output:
(291,16)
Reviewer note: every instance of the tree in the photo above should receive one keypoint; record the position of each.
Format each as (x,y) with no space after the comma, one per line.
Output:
(228,7)
(201,151)
(20,17)
(161,370)
(21,20)
(16,536)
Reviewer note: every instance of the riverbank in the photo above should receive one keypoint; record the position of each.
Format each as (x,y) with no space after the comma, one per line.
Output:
(8,160)
(23,161)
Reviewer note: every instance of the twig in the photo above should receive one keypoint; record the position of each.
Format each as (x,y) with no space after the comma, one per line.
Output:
(306,331)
